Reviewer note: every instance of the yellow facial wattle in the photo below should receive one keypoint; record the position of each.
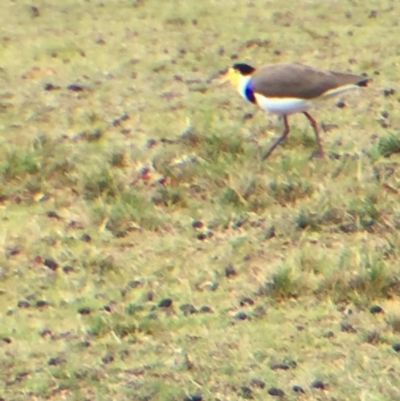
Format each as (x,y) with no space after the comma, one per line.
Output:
(233,76)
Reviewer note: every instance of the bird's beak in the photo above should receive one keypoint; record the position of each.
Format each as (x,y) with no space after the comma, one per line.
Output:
(221,78)
(222,81)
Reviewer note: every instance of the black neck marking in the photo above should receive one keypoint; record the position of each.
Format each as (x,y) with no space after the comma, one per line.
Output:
(250,95)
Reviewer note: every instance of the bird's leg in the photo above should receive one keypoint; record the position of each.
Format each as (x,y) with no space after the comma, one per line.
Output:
(280,139)
(316,131)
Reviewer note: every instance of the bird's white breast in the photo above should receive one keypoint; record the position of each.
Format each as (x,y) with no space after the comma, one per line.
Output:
(282,106)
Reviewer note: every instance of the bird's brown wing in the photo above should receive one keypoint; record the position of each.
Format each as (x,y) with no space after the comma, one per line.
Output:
(300,81)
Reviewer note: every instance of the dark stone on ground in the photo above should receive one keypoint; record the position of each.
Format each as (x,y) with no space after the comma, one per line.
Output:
(276,392)
(165,303)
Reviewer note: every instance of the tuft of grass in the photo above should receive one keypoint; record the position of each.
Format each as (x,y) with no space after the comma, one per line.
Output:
(227,147)
(290,191)
(102,184)
(306,219)
(370,279)
(19,163)
(393,321)
(284,284)
(389,144)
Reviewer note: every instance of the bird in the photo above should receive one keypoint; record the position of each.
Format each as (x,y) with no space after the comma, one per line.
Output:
(290,88)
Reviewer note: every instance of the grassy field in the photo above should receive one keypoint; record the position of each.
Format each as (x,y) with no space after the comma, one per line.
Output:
(148,253)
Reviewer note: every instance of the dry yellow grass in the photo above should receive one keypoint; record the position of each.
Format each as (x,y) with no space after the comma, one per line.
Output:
(130,177)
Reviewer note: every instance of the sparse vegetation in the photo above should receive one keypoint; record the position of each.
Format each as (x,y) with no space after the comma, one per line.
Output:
(149,253)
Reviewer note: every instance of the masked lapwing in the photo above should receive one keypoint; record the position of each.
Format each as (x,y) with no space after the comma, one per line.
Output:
(285,89)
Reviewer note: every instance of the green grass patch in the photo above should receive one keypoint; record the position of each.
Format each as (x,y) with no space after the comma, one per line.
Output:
(147,252)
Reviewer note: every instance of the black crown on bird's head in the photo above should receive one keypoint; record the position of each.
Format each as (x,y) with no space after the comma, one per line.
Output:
(243,68)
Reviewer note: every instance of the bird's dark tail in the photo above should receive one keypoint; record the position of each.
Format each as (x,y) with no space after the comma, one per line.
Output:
(363,82)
